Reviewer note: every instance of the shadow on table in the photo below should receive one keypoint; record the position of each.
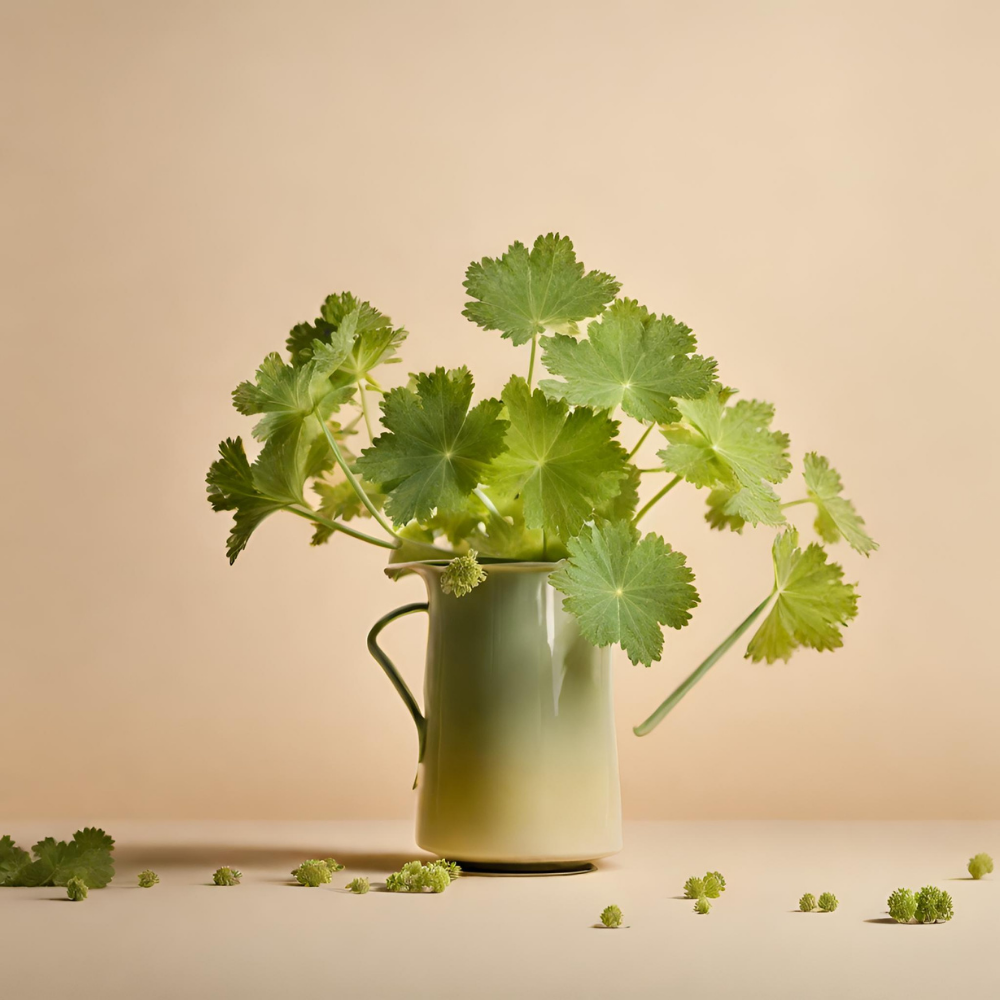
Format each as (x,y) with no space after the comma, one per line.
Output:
(253,856)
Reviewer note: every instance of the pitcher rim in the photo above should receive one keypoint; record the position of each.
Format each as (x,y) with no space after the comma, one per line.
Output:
(528,566)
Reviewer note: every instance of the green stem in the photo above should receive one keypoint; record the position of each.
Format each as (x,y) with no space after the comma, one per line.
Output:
(531,363)
(311,515)
(795,503)
(364,411)
(666,489)
(638,444)
(657,717)
(646,471)
(352,479)
(487,502)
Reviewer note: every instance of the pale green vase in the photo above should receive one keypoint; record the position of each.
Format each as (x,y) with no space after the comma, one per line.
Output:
(518,759)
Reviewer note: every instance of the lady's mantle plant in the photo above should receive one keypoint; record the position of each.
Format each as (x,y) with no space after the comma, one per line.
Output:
(540,474)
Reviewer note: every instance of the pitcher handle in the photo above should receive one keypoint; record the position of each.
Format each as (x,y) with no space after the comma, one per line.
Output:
(393,674)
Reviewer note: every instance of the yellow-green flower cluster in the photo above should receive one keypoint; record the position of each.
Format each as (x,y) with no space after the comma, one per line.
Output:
(227,875)
(462,575)
(148,878)
(980,865)
(415,877)
(76,889)
(611,916)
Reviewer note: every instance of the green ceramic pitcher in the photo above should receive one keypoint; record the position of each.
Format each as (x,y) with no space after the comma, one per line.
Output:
(518,763)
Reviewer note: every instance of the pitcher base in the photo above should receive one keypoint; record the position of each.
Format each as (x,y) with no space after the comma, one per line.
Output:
(541,868)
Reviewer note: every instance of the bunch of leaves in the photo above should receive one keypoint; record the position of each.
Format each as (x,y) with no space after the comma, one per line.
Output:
(807,903)
(827,902)
(611,916)
(359,886)
(540,474)
(88,856)
(148,878)
(414,876)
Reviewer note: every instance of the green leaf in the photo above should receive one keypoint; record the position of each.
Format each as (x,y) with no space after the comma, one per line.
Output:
(836,517)
(288,394)
(812,604)
(436,449)
(335,309)
(561,464)
(232,486)
(732,448)
(339,501)
(523,293)
(13,861)
(718,500)
(87,856)
(622,506)
(630,359)
(622,589)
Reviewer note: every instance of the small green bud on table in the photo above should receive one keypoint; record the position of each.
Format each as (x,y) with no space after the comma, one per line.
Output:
(76,889)
(828,902)
(227,876)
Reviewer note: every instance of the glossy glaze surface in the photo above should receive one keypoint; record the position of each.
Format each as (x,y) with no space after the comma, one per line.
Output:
(520,762)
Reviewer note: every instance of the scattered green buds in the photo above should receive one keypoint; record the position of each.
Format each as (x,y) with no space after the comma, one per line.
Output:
(611,916)
(807,903)
(147,879)
(312,873)
(715,884)
(415,877)
(702,905)
(76,889)
(980,865)
(694,888)
(359,885)
(711,886)
(933,905)
(828,902)
(227,876)
(462,575)
(902,905)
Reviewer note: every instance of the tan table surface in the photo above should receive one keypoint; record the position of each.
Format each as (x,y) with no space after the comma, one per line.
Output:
(511,937)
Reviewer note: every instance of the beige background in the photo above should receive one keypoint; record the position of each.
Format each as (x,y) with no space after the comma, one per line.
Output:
(811,186)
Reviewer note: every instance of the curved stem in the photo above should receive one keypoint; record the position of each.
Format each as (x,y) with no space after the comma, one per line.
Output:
(795,503)
(364,411)
(666,489)
(646,471)
(487,502)
(657,717)
(638,444)
(311,515)
(531,363)
(353,480)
